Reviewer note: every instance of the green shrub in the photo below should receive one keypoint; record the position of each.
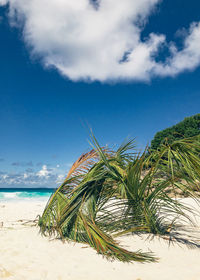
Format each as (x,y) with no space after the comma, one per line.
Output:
(189,127)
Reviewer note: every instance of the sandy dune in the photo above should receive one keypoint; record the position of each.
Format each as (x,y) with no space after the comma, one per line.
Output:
(25,255)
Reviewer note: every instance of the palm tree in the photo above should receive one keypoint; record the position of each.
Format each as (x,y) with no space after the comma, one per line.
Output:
(111,193)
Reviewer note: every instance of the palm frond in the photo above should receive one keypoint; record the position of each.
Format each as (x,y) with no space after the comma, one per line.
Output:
(83,164)
(108,194)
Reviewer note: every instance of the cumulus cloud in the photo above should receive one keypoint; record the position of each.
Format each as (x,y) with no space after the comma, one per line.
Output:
(44,172)
(50,177)
(186,59)
(101,39)
(3,2)
(60,178)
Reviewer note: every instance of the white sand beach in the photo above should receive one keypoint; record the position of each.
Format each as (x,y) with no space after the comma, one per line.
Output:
(26,255)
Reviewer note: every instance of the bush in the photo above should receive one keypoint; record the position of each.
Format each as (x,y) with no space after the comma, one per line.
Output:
(189,127)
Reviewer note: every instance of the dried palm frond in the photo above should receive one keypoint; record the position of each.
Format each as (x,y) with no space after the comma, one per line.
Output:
(83,164)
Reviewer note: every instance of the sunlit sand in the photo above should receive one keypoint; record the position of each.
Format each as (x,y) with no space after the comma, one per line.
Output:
(25,254)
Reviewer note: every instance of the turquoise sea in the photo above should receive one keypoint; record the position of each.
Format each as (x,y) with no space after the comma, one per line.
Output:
(24,194)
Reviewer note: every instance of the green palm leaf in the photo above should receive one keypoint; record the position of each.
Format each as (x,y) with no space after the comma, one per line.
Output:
(108,194)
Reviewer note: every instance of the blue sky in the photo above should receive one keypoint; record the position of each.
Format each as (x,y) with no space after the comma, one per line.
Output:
(52,86)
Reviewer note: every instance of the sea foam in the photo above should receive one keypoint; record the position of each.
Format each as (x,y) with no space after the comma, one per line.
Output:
(24,194)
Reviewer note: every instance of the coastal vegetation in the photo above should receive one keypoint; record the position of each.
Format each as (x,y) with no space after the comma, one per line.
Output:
(110,193)
(189,127)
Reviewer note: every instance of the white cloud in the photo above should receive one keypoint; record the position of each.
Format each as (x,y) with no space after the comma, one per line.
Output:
(44,172)
(50,177)
(3,2)
(186,59)
(60,178)
(83,42)
(26,175)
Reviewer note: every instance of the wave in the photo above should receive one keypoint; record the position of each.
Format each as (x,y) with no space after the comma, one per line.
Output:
(24,195)
(10,195)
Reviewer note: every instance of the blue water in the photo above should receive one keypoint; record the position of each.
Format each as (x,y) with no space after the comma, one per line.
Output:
(24,194)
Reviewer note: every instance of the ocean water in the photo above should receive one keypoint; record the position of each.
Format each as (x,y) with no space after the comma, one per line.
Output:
(25,194)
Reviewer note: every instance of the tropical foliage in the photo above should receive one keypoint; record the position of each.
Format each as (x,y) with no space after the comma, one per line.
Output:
(109,193)
(189,127)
